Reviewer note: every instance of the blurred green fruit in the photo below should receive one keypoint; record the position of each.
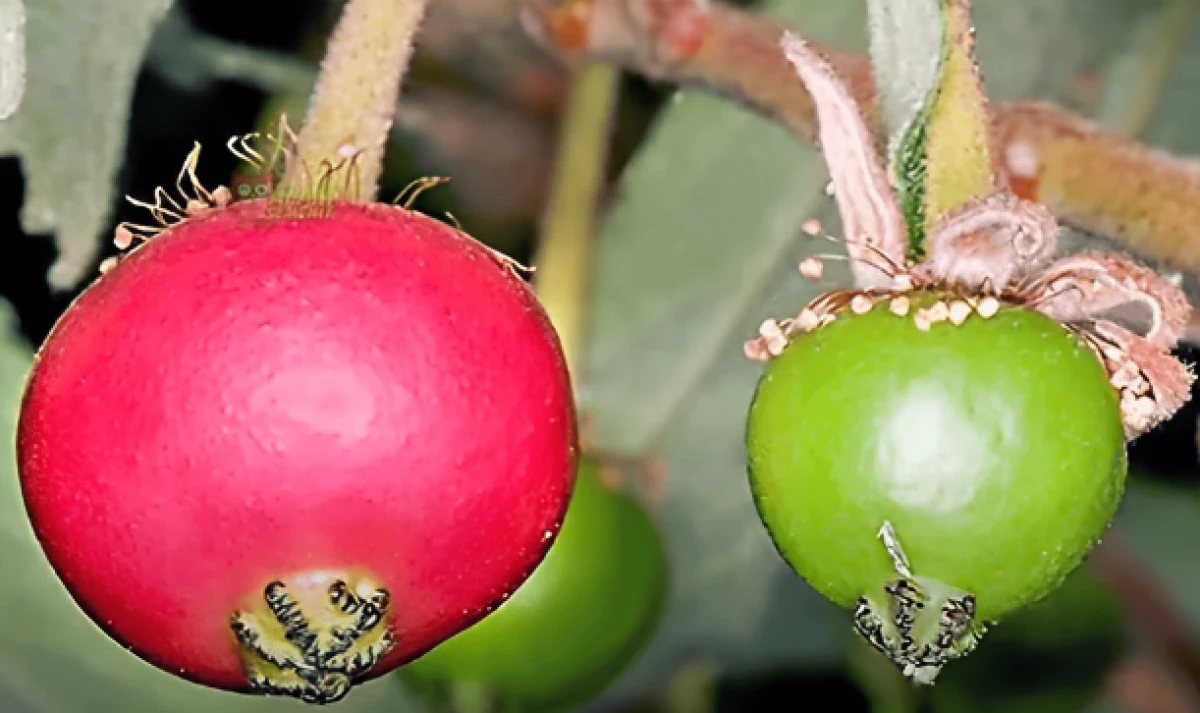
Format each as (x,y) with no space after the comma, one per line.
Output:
(572,628)
(1049,658)
(988,456)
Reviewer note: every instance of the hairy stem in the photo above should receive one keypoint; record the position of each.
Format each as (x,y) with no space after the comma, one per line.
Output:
(564,255)
(354,103)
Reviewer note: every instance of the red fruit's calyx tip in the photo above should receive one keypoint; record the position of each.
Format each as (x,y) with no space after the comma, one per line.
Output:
(919,624)
(290,194)
(311,637)
(268,159)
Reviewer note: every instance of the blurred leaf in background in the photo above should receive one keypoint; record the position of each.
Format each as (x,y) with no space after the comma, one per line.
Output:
(70,131)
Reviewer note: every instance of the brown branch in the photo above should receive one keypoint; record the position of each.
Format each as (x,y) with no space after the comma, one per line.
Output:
(1150,608)
(720,48)
(1091,178)
(1141,684)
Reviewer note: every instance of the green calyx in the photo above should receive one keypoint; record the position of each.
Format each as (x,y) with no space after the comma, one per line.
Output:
(934,107)
(992,449)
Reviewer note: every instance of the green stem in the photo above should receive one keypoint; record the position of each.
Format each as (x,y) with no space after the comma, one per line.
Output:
(565,251)
(886,689)
(354,102)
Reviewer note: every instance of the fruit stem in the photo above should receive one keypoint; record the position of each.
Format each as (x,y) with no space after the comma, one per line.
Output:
(564,253)
(353,104)
(887,691)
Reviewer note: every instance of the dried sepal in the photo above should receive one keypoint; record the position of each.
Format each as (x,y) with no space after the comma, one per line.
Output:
(1152,384)
(875,233)
(987,243)
(1094,286)
(1132,317)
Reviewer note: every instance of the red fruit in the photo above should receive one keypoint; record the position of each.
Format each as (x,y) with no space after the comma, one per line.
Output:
(366,400)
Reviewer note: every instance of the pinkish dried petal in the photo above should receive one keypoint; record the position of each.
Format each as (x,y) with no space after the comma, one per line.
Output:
(1169,379)
(1091,286)
(874,229)
(987,243)
(1126,375)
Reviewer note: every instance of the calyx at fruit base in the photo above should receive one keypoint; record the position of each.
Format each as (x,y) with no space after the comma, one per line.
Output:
(993,251)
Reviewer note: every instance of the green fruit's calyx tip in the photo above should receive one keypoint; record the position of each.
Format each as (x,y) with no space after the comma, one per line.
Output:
(919,624)
(312,638)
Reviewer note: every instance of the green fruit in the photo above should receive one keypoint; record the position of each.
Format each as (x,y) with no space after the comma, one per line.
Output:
(573,626)
(993,449)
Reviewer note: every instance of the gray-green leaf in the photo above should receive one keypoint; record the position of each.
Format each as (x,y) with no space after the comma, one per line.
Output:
(12,56)
(83,58)
(905,40)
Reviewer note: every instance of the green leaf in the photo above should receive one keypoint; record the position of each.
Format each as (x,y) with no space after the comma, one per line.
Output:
(905,42)
(702,246)
(906,47)
(53,659)
(83,58)
(958,162)
(12,56)
(934,107)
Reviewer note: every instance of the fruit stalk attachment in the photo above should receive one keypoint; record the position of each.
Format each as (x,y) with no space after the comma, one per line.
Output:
(353,105)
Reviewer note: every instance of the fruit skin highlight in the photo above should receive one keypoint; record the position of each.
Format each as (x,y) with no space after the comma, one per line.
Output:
(248,398)
(994,447)
(575,624)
